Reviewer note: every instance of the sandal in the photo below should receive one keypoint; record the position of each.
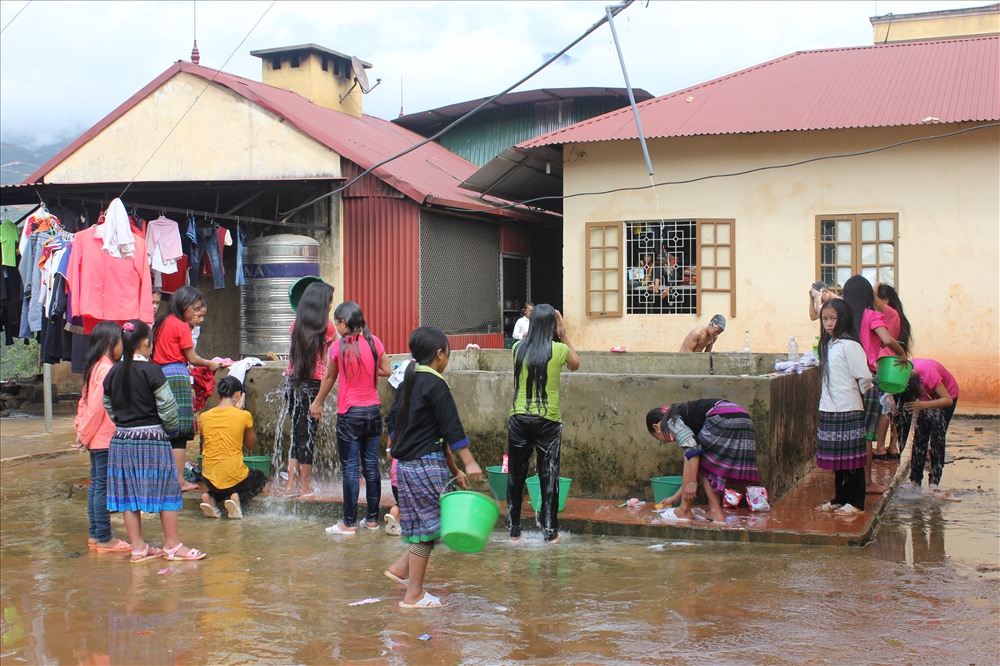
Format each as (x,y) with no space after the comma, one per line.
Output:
(848,510)
(211,511)
(234,510)
(150,553)
(170,554)
(119,547)
(405,582)
(427,601)
(828,507)
(337,529)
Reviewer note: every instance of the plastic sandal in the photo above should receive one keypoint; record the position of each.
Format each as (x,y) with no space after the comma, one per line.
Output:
(211,511)
(405,582)
(170,554)
(150,553)
(234,511)
(119,547)
(427,601)
(335,529)
(828,507)
(848,510)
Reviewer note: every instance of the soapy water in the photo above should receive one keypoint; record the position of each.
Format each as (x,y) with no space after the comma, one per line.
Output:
(275,588)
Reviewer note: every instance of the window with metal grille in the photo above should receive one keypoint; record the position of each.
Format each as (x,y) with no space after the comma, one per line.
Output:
(662,267)
(459,275)
(863,244)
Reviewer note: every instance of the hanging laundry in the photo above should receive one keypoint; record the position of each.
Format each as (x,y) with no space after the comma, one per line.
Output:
(115,233)
(241,237)
(8,243)
(163,244)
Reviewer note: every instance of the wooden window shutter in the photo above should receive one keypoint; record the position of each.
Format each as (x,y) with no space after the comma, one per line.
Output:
(716,266)
(604,269)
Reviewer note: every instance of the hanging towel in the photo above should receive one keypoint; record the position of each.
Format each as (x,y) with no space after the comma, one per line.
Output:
(116,232)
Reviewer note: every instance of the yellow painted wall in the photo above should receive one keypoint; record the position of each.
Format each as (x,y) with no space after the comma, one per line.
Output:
(903,29)
(223,137)
(310,81)
(945,192)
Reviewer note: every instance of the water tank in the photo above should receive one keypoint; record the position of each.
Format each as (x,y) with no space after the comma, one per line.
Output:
(270,265)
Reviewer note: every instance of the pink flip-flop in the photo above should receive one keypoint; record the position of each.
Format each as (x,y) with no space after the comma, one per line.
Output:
(193,554)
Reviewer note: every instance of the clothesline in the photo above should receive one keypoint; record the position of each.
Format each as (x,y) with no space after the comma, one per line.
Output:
(239,219)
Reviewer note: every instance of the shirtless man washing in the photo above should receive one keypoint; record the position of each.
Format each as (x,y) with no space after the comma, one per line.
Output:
(703,338)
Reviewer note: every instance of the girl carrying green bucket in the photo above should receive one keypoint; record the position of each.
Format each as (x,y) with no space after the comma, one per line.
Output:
(424,428)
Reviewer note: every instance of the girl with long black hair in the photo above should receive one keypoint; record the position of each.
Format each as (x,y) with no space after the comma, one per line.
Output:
(535,422)
(357,361)
(887,301)
(424,430)
(311,334)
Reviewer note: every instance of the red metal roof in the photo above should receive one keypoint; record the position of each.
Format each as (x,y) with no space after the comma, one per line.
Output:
(428,175)
(947,81)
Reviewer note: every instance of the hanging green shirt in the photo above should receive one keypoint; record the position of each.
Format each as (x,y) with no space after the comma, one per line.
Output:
(560,354)
(9,236)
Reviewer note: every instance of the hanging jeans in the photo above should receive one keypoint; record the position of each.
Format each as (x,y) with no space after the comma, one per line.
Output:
(931,428)
(359,433)
(208,243)
(241,237)
(97,497)
(525,434)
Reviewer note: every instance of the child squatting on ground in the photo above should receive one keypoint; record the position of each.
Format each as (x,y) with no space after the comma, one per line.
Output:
(424,428)
(719,445)
(226,430)
(141,472)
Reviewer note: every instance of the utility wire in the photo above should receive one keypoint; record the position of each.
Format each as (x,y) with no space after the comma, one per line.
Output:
(810,160)
(209,83)
(613,11)
(15,16)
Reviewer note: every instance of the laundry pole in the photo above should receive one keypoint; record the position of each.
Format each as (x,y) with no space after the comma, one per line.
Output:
(47,395)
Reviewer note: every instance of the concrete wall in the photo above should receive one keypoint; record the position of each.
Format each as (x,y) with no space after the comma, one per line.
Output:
(606,449)
(944,190)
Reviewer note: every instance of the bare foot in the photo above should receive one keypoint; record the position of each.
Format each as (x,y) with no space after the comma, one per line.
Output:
(188,487)
(716,517)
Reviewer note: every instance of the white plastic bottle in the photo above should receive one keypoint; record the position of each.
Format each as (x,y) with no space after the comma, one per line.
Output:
(746,342)
(793,350)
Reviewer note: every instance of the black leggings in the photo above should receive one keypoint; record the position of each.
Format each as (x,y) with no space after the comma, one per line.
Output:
(931,428)
(247,489)
(849,487)
(303,426)
(526,434)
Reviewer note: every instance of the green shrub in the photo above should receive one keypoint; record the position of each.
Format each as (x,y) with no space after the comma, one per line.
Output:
(19,360)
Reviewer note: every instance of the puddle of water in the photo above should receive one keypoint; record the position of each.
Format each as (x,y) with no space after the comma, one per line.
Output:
(276,589)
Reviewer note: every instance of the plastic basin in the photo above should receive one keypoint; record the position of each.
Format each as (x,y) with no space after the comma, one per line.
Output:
(665,486)
(298,288)
(498,481)
(892,378)
(535,495)
(467,518)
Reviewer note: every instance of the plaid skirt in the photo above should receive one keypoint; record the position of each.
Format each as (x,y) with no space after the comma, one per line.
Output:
(420,484)
(840,441)
(729,447)
(873,409)
(179,381)
(141,471)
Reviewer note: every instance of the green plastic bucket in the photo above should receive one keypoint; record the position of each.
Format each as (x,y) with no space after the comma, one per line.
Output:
(535,495)
(298,288)
(263,463)
(893,378)
(467,518)
(498,481)
(665,486)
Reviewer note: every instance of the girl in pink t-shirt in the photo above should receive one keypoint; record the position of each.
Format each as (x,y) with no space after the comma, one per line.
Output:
(887,302)
(311,337)
(358,359)
(873,335)
(932,396)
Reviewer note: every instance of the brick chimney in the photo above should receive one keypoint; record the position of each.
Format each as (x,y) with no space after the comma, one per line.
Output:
(320,75)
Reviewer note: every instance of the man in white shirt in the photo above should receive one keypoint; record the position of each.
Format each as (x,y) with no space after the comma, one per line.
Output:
(521,326)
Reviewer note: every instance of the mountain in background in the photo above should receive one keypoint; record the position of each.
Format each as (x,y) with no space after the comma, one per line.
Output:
(17,163)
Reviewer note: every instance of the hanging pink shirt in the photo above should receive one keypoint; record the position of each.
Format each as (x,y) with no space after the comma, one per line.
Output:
(870,342)
(932,373)
(356,383)
(103,287)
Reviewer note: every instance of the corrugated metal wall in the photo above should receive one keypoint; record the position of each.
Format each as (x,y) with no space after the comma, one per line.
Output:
(382,259)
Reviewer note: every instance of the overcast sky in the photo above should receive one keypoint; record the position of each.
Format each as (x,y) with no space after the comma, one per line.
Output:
(65,65)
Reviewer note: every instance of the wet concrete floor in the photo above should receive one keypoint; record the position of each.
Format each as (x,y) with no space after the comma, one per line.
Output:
(276,589)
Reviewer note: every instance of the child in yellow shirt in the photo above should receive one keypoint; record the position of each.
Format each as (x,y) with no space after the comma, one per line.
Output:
(226,430)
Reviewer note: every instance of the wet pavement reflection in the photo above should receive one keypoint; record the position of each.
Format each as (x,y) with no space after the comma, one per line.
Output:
(276,589)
